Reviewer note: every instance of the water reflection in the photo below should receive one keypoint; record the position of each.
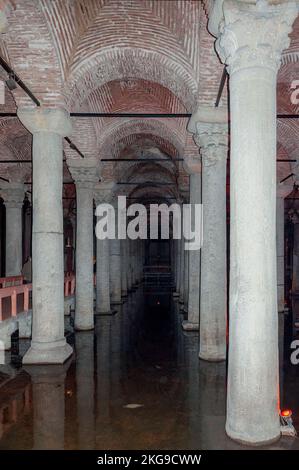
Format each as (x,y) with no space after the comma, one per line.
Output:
(135,382)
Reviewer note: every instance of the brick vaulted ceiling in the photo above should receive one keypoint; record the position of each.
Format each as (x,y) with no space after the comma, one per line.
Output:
(151,56)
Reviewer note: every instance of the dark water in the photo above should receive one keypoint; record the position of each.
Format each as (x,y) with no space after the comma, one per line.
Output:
(135,382)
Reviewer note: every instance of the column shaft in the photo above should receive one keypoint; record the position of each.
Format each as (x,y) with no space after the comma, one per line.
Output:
(84,313)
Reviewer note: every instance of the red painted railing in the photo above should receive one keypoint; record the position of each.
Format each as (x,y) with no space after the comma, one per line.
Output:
(11,281)
(24,290)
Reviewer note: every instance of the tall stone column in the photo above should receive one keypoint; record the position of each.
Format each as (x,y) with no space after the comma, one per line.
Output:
(210,128)
(251,40)
(48,127)
(115,265)
(86,175)
(13,196)
(103,195)
(193,167)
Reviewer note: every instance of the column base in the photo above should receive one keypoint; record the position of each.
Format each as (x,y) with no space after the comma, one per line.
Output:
(189,326)
(248,440)
(84,327)
(212,357)
(105,314)
(48,353)
(117,302)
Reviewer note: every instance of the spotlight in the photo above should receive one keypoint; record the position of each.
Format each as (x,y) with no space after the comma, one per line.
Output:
(10,82)
(286,423)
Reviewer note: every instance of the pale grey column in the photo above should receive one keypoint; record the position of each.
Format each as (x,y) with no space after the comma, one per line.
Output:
(48,342)
(103,284)
(192,323)
(13,196)
(103,194)
(86,176)
(211,136)
(115,267)
(253,59)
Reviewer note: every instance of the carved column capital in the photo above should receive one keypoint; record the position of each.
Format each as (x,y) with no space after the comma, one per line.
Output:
(254,35)
(84,172)
(210,129)
(104,192)
(13,194)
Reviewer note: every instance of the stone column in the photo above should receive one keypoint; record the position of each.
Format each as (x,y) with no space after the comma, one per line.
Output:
(103,195)
(193,167)
(86,175)
(115,266)
(210,127)
(13,196)
(251,40)
(48,127)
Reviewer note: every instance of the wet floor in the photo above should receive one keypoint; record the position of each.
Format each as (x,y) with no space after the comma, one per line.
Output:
(133,383)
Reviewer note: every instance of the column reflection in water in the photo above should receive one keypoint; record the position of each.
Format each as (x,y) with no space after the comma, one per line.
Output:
(85,389)
(48,398)
(103,390)
(190,369)
(211,405)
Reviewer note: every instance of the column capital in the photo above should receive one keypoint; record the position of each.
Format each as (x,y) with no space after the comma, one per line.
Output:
(13,194)
(85,172)
(254,35)
(56,121)
(104,192)
(210,129)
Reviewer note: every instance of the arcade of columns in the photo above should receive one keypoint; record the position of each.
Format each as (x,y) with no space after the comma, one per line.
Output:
(249,41)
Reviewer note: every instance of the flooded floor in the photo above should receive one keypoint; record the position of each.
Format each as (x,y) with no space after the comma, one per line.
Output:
(135,382)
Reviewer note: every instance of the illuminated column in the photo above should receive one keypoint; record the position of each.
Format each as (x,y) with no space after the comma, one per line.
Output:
(86,175)
(48,127)
(210,128)
(13,195)
(251,40)
(193,167)
(103,194)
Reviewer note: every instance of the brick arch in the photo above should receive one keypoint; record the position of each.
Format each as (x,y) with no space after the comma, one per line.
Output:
(133,63)
(31,54)
(126,128)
